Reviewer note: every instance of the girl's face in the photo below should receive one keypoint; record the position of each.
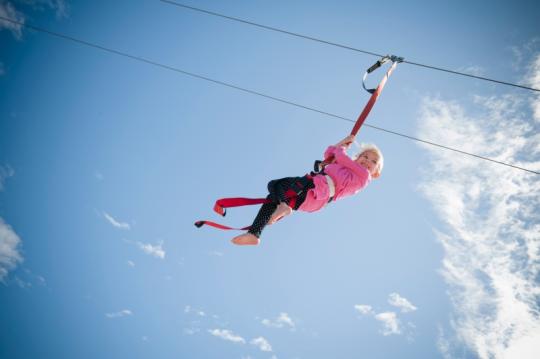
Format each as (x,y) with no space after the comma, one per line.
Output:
(370,161)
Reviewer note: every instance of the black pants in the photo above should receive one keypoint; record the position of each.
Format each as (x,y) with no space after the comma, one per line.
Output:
(291,190)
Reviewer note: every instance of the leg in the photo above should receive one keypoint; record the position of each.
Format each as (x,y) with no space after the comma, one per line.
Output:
(252,236)
(281,206)
(281,211)
(283,190)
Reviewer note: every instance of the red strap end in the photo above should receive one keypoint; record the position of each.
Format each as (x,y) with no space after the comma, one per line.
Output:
(219,209)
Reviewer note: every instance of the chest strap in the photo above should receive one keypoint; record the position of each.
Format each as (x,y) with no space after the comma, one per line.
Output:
(331,188)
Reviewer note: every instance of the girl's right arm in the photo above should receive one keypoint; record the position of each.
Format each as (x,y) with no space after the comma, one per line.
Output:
(346,142)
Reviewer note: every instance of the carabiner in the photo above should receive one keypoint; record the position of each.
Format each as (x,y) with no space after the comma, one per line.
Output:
(375,66)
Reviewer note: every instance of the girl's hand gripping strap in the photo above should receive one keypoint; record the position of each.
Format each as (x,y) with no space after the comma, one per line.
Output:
(369,105)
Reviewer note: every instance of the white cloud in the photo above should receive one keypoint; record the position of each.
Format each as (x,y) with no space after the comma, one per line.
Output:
(7,10)
(115,223)
(262,344)
(191,331)
(199,312)
(120,314)
(281,321)
(5,173)
(131,263)
(226,334)
(491,237)
(9,252)
(25,279)
(60,7)
(524,52)
(156,251)
(473,70)
(364,309)
(534,81)
(21,283)
(390,323)
(402,303)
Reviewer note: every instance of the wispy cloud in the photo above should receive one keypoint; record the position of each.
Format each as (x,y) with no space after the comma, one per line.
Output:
(191,331)
(115,223)
(524,52)
(7,10)
(199,312)
(5,173)
(262,344)
(26,279)
(390,323)
(226,334)
(150,249)
(364,309)
(283,320)
(120,314)
(491,237)
(473,70)
(153,250)
(18,14)
(60,7)
(9,249)
(389,319)
(534,81)
(396,300)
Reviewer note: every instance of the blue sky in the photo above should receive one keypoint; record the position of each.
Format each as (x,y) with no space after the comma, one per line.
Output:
(106,162)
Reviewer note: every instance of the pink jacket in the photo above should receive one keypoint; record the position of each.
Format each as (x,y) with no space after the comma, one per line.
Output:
(348,177)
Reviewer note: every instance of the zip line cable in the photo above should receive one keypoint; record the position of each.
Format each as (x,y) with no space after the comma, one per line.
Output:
(205,78)
(340,45)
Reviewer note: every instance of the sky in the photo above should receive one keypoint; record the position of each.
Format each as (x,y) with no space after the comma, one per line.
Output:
(106,162)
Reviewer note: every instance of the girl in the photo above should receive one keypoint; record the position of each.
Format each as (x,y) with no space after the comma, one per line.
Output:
(341,178)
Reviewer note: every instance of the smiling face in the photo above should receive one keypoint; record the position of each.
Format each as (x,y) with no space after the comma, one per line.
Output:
(370,161)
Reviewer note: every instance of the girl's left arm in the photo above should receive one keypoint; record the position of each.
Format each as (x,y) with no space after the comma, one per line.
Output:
(343,159)
(346,142)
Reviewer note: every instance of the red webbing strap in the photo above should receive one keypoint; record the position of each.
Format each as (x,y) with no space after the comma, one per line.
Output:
(199,224)
(367,108)
(224,203)
(372,100)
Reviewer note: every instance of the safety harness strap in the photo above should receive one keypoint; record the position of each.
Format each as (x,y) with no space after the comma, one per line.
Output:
(319,165)
(224,203)
(199,224)
(290,194)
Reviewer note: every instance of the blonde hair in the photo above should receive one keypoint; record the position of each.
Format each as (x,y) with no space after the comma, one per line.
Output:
(370,147)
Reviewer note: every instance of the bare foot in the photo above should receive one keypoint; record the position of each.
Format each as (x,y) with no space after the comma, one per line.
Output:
(246,239)
(281,211)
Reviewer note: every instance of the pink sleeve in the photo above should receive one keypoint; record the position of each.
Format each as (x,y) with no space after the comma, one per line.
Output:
(343,159)
(329,152)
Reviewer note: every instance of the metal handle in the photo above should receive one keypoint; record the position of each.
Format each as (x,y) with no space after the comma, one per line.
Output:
(375,66)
